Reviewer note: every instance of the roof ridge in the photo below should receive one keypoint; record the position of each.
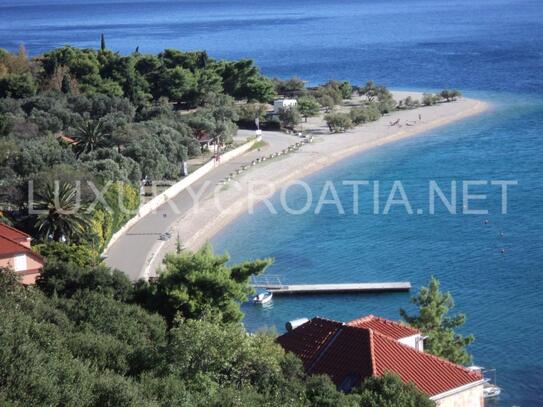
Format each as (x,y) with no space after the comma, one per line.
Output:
(385,320)
(396,322)
(327,320)
(437,358)
(372,353)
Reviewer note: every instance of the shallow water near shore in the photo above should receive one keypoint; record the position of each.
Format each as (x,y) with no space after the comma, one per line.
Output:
(493,49)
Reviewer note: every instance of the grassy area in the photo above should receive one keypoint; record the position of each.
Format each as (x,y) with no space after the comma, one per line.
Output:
(259,144)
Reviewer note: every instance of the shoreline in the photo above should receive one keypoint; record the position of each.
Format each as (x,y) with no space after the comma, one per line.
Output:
(204,221)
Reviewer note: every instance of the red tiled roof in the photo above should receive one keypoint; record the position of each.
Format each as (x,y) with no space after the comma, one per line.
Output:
(348,357)
(10,247)
(306,340)
(431,374)
(350,354)
(66,139)
(12,233)
(10,242)
(393,329)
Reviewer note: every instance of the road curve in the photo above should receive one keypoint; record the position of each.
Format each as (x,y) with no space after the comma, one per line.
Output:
(131,252)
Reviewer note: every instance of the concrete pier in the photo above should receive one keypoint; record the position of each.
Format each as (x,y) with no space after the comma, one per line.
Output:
(278,289)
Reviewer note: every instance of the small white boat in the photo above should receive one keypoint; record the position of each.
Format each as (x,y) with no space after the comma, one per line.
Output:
(490,389)
(263,297)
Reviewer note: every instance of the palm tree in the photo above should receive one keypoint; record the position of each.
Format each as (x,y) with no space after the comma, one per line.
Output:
(89,136)
(63,218)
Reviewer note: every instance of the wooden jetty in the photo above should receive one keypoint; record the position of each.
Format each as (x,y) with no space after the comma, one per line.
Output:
(274,285)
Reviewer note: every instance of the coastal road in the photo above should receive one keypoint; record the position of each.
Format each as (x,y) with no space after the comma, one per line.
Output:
(131,252)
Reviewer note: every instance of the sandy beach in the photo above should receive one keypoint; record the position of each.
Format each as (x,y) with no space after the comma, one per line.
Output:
(225,202)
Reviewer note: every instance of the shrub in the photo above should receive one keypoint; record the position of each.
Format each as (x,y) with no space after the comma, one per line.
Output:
(338,122)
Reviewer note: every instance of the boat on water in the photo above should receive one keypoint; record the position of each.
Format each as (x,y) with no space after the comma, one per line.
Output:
(490,388)
(263,297)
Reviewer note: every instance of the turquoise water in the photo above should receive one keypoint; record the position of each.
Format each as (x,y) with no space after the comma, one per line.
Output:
(491,49)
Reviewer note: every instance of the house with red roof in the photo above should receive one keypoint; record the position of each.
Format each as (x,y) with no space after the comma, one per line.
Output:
(16,254)
(371,346)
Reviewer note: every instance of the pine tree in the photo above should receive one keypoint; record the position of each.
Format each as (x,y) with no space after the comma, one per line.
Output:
(102,42)
(433,321)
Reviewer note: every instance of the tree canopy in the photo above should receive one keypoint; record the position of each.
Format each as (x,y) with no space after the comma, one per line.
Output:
(389,391)
(193,285)
(433,320)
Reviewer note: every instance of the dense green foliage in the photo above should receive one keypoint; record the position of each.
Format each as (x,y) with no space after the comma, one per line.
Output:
(450,94)
(290,88)
(194,285)
(78,254)
(80,338)
(338,122)
(308,106)
(389,391)
(289,117)
(433,307)
(94,116)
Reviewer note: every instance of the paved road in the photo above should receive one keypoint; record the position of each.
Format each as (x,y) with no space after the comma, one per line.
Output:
(131,251)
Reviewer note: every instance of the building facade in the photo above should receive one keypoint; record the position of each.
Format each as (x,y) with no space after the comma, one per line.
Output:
(371,346)
(16,254)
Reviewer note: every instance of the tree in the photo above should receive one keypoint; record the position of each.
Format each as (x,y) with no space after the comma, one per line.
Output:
(17,86)
(338,122)
(289,87)
(429,100)
(62,217)
(65,279)
(389,391)
(327,102)
(90,136)
(450,95)
(330,94)
(308,106)
(365,114)
(369,91)
(249,112)
(102,42)
(195,284)
(242,80)
(433,306)
(81,255)
(385,100)
(346,89)
(322,392)
(289,117)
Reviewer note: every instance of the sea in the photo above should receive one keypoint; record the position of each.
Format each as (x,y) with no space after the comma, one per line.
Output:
(492,263)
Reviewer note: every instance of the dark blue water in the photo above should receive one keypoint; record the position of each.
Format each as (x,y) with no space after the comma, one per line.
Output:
(491,48)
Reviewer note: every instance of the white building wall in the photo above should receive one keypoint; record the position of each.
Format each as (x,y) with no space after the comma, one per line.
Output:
(414,341)
(283,103)
(472,397)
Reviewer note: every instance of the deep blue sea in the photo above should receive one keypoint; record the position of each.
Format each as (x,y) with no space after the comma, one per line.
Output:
(492,49)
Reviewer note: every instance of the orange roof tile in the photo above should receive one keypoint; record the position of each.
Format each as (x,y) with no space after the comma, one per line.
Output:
(10,242)
(349,354)
(431,374)
(10,247)
(393,329)
(12,233)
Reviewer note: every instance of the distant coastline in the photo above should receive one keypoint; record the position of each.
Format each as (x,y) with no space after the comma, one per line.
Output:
(201,224)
